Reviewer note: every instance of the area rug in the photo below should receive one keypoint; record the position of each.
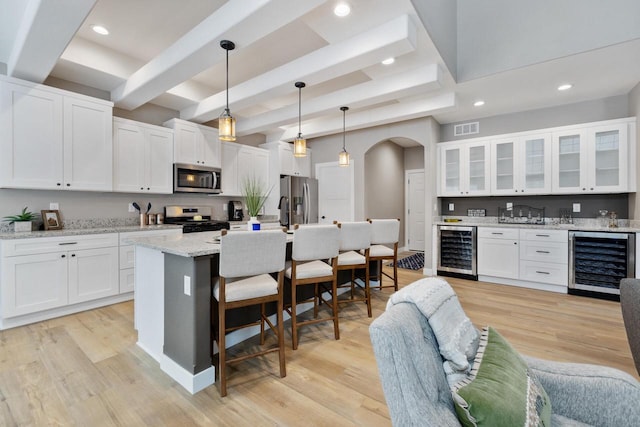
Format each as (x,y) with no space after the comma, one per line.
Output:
(412,262)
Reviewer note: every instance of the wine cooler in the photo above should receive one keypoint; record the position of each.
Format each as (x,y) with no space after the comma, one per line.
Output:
(599,260)
(457,251)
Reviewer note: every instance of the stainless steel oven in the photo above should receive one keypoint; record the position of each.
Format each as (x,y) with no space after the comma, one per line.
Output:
(599,260)
(457,251)
(196,179)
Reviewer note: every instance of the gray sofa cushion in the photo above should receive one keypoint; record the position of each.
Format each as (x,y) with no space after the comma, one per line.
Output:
(417,392)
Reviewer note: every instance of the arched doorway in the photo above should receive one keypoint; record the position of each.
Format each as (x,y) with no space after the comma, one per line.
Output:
(387,189)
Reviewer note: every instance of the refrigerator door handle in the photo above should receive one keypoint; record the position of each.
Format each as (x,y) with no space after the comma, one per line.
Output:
(305,202)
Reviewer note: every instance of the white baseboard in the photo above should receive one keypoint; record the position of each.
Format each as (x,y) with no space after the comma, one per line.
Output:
(192,383)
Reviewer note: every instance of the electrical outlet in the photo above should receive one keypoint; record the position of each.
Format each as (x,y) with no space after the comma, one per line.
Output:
(224,207)
(509,206)
(451,207)
(54,206)
(187,285)
(576,207)
(131,208)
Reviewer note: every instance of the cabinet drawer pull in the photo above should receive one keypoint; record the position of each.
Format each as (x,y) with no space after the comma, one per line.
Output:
(542,235)
(500,234)
(542,272)
(68,243)
(543,252)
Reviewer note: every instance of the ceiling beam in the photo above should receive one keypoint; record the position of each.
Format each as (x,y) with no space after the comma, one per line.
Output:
(46,29)
(393,38)
(369,93)
(199,49)
(369,118)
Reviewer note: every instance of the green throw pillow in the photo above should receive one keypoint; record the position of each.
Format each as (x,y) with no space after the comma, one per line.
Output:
(500,391)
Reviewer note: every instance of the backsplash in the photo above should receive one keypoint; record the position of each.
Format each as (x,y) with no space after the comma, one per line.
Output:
(589,204)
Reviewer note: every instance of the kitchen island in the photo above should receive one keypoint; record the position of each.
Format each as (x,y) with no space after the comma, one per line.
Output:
(173,304)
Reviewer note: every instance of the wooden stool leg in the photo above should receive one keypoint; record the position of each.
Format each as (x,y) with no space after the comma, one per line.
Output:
(262,317)
(367,290)
(283,369)
(222,350)
(334,303)
(294,323)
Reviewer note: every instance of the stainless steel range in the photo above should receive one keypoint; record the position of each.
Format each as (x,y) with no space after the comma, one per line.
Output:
(193,218)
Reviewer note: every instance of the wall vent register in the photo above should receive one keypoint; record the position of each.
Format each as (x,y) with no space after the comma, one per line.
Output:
(463,129)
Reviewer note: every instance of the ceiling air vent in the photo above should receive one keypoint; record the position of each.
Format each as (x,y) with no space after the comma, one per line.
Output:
(466,129)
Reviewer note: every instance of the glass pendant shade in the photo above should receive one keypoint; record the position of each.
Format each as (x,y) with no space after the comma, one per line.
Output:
(343,158)
(299,146)
(226,122)
(226,127)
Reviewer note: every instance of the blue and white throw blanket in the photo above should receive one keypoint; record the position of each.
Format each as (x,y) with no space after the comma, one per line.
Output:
(457,337)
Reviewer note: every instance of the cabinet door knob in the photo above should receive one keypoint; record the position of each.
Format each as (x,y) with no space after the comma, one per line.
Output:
(63,256)
(73,255)
(58,184)
(148,188)
(68,185)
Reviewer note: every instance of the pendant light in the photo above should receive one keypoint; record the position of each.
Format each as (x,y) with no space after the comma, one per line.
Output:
(343,157)
(299,144)
(226,122)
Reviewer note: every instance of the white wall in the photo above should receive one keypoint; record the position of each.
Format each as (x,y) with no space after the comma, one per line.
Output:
(424,131)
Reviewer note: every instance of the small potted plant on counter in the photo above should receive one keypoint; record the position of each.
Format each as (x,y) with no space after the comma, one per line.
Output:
(255,195)
(22,221)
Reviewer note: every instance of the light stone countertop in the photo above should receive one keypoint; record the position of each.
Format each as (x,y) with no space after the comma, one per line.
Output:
(187,245)
(580,224)
(10,235)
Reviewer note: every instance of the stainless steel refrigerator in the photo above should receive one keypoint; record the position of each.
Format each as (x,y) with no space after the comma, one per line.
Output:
(298,201)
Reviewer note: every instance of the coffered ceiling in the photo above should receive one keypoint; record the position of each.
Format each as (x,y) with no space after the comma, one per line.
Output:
(167,52)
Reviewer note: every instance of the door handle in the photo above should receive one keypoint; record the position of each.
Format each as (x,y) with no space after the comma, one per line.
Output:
(322,217)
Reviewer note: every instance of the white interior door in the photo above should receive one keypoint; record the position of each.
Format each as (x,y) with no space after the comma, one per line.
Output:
(335,192)
(415,210)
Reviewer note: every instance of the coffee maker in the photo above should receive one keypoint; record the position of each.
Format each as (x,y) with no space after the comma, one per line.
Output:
(235,210)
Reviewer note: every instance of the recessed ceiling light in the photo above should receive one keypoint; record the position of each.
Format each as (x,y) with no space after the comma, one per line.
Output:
(566,86)
(479,103)
(389,61)
(100,30)
(342,9)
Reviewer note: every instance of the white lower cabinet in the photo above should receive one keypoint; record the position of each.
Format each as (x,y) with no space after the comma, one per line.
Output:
(93,274)
(535,258)
(46,277)
(32,283)
(127,255)
(498,253)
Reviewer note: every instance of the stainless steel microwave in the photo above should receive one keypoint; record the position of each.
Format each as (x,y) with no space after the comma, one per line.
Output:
(196,179)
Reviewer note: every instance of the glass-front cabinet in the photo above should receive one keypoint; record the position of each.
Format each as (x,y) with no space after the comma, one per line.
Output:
(464,170)
(591,160)
(521,165)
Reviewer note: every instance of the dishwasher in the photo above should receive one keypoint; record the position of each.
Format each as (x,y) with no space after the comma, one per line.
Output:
(457,251)
(598,261)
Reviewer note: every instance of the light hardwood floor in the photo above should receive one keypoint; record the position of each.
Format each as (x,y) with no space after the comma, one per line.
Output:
(86,369)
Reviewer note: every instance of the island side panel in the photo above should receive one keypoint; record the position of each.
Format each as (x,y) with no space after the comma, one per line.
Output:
(187,318)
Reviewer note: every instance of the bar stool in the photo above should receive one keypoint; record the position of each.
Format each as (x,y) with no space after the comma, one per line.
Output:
(246,261)
(385,232)
(355,237)
(314,260)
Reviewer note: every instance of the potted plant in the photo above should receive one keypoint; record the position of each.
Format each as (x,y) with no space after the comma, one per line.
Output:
(255,195)
(22,221)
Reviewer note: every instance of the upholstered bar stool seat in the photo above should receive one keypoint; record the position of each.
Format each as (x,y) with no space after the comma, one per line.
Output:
(314,261)
(247,262)
(355,242)
(385,234)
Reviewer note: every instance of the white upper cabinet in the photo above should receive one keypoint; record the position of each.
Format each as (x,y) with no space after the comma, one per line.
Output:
(143,157)
(464,170)
(288,164)
(240,162)
(54,139)
(195,144)
(521,165)
(594,159)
